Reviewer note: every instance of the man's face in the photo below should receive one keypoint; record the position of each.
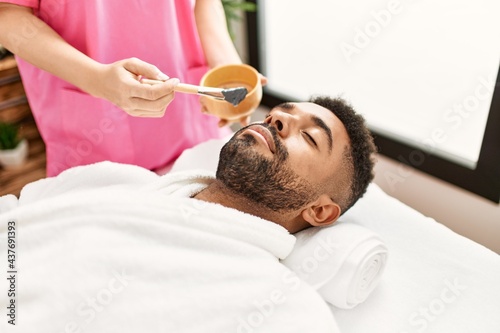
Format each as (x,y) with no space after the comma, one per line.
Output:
(285,162)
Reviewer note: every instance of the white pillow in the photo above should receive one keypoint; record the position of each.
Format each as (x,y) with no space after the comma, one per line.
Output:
(343,262)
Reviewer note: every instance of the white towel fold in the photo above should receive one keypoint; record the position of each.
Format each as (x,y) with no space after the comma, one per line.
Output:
(343,262)
(7,202)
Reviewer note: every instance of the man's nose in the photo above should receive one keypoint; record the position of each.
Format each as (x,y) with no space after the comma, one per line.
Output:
(281,121)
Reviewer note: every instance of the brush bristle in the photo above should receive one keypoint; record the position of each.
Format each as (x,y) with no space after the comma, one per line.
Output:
(235,95)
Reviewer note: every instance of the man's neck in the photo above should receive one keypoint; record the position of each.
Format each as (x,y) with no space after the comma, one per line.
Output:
(217,192)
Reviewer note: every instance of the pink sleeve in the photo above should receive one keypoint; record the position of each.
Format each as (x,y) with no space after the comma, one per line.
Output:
(27,3)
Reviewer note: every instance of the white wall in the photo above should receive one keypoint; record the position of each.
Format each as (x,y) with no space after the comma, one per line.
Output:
(463,212)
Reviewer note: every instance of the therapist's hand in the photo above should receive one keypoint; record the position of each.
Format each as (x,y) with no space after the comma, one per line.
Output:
(118,83)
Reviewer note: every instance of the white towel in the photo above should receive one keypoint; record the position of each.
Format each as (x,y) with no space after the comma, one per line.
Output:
(7,202)
(100,251)
(343,262)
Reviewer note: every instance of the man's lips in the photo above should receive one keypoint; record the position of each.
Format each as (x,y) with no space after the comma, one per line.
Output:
(265,134)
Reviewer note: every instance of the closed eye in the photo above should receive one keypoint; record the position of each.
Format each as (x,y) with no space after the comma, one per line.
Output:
(310,139)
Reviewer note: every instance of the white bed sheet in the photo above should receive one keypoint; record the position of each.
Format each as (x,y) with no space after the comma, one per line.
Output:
(435,280)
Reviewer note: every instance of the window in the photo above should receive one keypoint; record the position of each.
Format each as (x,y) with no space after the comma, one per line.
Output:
(424,75)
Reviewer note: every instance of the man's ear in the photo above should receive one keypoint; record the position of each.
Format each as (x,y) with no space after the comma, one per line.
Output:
(324,211)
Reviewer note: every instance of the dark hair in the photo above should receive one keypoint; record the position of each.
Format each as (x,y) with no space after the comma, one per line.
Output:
(358,161)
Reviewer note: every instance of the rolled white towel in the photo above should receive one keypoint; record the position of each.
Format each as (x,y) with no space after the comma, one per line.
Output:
(343,262)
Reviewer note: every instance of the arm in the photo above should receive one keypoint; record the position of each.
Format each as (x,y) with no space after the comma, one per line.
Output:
(214,37)
(216,41)
(33,40)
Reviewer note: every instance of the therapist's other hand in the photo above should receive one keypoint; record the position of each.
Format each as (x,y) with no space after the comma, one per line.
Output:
(118,83)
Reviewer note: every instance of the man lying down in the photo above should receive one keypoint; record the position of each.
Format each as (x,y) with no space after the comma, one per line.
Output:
(116,248)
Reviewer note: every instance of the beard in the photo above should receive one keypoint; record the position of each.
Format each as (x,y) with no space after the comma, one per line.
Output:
(267,182)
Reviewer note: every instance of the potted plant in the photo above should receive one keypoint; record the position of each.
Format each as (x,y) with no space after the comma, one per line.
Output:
(13,150)
(233,8)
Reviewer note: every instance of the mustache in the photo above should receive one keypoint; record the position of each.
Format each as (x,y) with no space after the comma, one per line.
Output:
(280,148)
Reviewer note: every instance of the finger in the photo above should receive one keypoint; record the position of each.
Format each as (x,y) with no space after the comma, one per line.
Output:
(203,104)
(263,80)
(139,67)
(146,114)
(204,110)
(155,91)
(223,122)
(158,105)
(245,121)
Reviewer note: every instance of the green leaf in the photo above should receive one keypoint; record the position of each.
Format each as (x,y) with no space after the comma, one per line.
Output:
(232,9)
(8,136)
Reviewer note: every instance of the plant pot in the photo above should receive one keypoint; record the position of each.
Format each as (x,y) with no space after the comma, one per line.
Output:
(14,157)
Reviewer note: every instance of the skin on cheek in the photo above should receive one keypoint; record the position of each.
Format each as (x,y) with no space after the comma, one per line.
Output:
(317,170)
(305,161)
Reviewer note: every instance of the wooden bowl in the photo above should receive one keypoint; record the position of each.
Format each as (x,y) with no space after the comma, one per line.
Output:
(232,76)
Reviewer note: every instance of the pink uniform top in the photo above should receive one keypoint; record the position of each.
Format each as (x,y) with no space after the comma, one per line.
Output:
(79,129)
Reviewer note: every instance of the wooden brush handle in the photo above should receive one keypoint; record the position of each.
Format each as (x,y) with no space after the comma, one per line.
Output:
(187,88)
(200,90)
(181,87)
